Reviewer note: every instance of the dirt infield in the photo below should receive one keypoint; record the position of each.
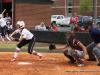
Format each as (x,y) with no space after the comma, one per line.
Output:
(52,64)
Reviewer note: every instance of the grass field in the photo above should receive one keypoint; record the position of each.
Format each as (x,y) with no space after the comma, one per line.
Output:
(13,47)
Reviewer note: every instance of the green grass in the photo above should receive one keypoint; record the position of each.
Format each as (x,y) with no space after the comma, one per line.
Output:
(13,47)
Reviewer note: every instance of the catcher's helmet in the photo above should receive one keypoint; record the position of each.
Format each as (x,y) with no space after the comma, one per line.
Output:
(71,34)
(21,24)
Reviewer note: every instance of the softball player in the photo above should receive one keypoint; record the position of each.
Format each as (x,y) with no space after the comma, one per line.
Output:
(3,29)
(9,27)
(25,38)
(78,49)
(93,48)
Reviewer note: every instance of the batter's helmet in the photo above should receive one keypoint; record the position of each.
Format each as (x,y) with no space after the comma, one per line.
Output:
(21,24)
(71,34)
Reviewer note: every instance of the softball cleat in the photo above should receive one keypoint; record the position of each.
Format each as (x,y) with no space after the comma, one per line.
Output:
(80,65)
(41,57)
(13,59)
(2,41)
(9,41)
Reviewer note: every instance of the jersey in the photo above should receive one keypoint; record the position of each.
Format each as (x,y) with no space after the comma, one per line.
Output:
(74,45)
(39,27)
(7,19)
(26,34)
(73,19)
(2,22)
(9,27)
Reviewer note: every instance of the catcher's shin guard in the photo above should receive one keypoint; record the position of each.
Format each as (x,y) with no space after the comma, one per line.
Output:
(68,56)
(76,56)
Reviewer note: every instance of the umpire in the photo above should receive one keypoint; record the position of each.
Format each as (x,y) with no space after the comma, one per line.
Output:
(93,49)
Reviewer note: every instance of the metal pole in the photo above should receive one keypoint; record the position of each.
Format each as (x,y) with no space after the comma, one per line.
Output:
(65,9)
(12,14)
(1,6)
(95,12)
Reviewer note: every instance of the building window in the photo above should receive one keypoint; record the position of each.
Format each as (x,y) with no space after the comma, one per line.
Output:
(61,2)
(70,2)
(69,10)
(77,2)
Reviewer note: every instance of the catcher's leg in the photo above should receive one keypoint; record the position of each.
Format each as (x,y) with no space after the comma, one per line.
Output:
(67,53)
(75,54)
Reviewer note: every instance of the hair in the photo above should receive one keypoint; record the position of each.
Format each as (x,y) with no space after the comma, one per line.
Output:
(75,23)
(42,23)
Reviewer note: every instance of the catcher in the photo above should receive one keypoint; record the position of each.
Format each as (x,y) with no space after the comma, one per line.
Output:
(25,38)
(78,49)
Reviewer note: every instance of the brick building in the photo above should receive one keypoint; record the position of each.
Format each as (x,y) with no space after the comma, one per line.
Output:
(32,12)
(67,7)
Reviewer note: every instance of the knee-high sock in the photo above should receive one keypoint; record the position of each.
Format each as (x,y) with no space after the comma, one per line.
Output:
(7,37)
(36,53)
(16,52)
(2,38)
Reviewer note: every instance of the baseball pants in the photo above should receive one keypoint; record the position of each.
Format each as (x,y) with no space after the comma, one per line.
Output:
(30,46)
(71,54)
(93,50)
(4,30)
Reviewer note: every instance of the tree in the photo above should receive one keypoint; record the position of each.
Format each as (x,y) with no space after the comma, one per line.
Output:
(85,6)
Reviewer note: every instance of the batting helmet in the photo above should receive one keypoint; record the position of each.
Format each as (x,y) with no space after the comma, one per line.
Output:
(21,24)
(71,34)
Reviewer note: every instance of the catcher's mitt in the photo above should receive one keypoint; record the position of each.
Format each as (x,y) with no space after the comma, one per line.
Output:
(52,46)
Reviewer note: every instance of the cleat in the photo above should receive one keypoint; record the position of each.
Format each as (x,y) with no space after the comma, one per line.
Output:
(94,59)
(69,61)
(2,41)
(79,65)
(41,57)
(9,41)
(13,59)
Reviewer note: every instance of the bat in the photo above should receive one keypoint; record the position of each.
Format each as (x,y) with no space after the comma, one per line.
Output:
(3,11)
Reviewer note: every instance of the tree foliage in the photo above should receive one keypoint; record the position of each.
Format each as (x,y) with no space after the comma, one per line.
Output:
(85,6)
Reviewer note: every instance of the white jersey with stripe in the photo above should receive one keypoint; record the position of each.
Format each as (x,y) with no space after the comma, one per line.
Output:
(7,19)
(26,34)
(9,27)
(2,22)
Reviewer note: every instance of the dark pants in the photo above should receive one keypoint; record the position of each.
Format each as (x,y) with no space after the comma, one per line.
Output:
(8,32)
(4,30)
(30,46)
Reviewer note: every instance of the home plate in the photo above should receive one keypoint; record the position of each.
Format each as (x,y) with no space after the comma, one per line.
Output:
(24,63)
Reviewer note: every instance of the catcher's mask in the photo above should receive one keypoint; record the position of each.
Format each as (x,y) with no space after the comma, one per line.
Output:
(70,35)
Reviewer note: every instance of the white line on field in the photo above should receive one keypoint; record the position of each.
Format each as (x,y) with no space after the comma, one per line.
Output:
(58,68)
(36,58)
